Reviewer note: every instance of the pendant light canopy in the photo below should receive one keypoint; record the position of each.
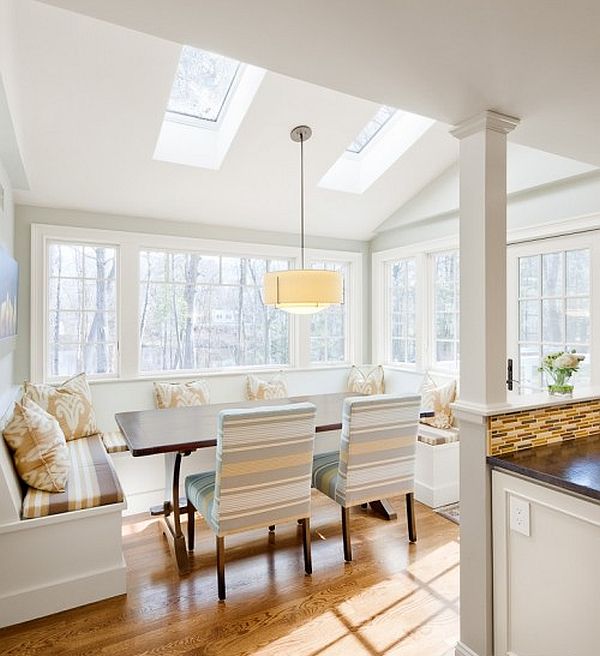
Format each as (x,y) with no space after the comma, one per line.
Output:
(303,291)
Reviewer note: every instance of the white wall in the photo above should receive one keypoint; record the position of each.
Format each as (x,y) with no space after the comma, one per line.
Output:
(433,212)
(7,223)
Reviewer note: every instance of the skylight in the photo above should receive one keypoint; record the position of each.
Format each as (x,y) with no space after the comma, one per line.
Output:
(364,137)
(202,84)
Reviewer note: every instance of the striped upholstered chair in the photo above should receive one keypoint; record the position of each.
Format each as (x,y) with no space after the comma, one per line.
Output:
(262,477)
(376,457)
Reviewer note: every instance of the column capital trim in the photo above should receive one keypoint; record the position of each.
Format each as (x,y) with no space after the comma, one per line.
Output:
(487,120)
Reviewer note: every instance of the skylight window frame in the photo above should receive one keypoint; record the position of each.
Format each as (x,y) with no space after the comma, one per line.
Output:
(209,123)
(374,137)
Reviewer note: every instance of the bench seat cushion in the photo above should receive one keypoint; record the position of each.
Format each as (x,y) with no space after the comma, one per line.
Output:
(114,442)
(436,436)
(92,482)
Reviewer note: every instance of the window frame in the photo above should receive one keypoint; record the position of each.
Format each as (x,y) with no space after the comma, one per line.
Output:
(129,245)
(381,323)
(434,365)
(590,241)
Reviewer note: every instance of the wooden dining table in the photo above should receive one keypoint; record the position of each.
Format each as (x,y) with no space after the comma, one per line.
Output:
(177,432)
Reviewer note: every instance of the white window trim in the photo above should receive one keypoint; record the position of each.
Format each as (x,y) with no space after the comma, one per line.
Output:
(584,231)
(129,244)
(352,309)
(591,241)
(381,261)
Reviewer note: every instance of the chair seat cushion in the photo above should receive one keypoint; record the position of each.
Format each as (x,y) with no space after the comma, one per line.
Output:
(92,482)
(200,490)
(325,473)
(114,442)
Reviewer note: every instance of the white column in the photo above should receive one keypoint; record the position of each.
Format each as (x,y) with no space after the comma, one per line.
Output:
(482,358)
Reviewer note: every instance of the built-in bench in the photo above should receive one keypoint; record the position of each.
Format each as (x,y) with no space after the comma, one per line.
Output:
(64,549)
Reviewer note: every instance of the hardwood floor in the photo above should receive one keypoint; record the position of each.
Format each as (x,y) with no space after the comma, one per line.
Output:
(395,598)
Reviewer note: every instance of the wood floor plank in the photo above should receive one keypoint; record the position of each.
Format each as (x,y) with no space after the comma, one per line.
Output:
(394,598)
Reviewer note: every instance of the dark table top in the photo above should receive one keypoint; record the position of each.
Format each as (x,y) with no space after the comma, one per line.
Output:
(186,429)
(573,465)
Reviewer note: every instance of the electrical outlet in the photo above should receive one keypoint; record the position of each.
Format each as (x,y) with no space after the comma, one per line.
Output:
(519,516)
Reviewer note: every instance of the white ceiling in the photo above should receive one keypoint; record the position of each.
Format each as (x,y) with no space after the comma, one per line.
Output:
(90,99)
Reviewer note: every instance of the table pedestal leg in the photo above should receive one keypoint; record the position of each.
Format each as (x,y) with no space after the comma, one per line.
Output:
(172,529)
(384,508)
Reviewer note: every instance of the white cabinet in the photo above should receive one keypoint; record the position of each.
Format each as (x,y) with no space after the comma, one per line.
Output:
(546,583)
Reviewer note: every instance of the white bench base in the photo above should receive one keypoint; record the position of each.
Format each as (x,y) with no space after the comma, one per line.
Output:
(61,561)
(437,474)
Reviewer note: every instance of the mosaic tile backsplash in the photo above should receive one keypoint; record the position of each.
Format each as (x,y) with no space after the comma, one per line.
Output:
(530,428)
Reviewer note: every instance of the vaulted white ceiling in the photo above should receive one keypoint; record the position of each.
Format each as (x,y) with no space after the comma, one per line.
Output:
(88,99)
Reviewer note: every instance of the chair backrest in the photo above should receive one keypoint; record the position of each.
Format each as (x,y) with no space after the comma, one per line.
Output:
(377,449)
(264,466)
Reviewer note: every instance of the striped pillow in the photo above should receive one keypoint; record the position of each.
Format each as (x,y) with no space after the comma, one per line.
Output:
(70,403)
(178,395)
(39,447)
(371,382)
(258,388)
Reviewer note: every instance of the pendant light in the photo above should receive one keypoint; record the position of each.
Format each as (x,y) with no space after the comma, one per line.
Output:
(303,291)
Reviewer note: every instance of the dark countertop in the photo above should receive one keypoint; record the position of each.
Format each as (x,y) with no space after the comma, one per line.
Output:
(573,465)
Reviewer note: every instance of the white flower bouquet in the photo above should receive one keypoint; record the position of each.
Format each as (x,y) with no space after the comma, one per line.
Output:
(559,367)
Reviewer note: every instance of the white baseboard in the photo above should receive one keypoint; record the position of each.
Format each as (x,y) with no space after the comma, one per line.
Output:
(25,605)
(462,650)
(435,497)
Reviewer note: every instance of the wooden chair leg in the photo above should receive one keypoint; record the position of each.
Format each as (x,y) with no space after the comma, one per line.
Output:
(410,517)
(271,528)
(191,515)
(306,544)
(346,534)
(221,567)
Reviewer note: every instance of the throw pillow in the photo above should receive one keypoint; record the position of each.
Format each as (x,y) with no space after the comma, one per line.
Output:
(179,395)
(70,403)
(259,388)
(370,382)
(438,399)
(39,448)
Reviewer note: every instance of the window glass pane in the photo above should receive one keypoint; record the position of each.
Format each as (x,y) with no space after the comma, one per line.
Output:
(199,311)
(529,276)
(552,320)
(328,327)
(552,268)
(202,83)
(402,287)
(578,272)
(529,330)
(446,309)
(82,309)
(578,320)
(529,362)
(564,302)
(364,137)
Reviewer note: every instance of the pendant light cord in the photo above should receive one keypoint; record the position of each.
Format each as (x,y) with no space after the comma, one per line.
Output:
(302,199)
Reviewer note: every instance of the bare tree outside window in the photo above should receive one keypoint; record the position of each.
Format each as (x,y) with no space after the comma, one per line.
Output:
(446,354)
(328,327)
(205,311)
(402,298)
(82,309)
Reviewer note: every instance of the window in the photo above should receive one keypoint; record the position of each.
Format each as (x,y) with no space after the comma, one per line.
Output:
(202,84)
(445,330)
(553,310)
(328,328)
(81,322)
(124,304)
(402,292)
(364,137)
(201,311)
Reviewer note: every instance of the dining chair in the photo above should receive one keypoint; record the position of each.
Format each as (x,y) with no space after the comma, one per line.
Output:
(376,458)
(262,478)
